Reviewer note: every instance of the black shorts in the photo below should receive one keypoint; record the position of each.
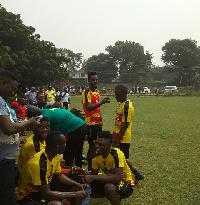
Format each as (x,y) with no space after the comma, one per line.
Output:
(124,147)
(65,104)
(93,131)
(124,189)
(35,198)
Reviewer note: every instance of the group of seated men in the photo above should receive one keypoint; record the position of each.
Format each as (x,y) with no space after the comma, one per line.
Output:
(41,179)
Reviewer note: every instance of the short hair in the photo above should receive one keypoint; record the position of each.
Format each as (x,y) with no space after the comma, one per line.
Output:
(90,74)
(106,135)
(44,119)
(57,105)
(53,138)
(33,111)
(8,75)
(121,88)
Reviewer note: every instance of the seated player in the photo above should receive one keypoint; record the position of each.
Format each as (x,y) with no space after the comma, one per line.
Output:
(117,183)
(35,182)
(35,143)
(67,123)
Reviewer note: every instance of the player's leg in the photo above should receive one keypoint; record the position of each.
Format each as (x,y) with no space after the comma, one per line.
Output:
(124,147)
(93,131)
(112,194)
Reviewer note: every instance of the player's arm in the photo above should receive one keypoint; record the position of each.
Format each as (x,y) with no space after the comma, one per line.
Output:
(26,96)
(82,172)
(115,178)
(56,195)
(91,107)
(9,128)
(121,133)
(45,93)
(67,181)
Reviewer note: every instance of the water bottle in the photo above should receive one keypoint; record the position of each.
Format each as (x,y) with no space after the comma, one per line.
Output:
(87,199)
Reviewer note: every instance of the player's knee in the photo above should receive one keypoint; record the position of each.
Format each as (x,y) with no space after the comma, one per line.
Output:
(109,189)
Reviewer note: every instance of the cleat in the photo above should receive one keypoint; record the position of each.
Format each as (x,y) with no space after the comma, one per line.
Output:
(138,177)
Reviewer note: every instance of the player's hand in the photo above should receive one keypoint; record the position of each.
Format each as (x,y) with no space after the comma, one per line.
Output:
(80,194)
(33,120)
(89,178)
(106,100)
(62,163)
(78,170)
(82,186)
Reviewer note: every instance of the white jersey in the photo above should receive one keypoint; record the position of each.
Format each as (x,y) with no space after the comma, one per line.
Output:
(65,97)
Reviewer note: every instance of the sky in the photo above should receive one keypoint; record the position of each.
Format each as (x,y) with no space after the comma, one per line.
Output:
(88,26)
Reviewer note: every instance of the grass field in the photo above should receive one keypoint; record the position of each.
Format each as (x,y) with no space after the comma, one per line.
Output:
(165,148)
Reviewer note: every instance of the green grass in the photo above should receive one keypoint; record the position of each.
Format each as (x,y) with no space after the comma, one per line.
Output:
(164,147)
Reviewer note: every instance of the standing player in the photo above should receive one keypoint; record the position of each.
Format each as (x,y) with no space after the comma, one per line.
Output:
(123,126)
(91,106)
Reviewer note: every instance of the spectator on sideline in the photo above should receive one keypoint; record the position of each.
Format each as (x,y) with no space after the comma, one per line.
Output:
(58,95)
(41,98)
(73,127)
(41,177)
(91,106)
(21,110)
(117,183)
(9,138)
(50,96)
(31,96)
(13,106)
(123,127)
(65,98)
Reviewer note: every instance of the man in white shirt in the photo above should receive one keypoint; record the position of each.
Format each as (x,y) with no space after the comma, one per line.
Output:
(65,99)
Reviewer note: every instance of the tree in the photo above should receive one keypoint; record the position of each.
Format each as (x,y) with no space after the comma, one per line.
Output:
(71,61)
(35,62)
(132,62)
(103,65)
(182,59)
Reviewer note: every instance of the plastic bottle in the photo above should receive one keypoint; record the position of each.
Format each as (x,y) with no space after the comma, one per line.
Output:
(87,199)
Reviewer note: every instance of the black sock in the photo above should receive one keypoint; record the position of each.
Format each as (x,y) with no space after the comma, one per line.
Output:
(135,172)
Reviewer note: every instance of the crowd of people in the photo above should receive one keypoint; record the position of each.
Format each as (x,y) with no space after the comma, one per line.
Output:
(49,168)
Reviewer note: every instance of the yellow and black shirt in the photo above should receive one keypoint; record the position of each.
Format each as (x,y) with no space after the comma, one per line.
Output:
(125,112)
(31,147)
(37,171)
(93,117)
(115,159)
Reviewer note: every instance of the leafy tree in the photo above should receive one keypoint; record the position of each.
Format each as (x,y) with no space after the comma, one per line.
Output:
(35,62)
(71,61)
(103,65)
(132,62)
(182,59)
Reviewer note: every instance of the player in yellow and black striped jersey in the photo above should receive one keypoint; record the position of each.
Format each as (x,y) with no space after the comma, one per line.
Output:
(123,127)
(115,159)
(43,169)
(117,183)
(91,106)
(35,143)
